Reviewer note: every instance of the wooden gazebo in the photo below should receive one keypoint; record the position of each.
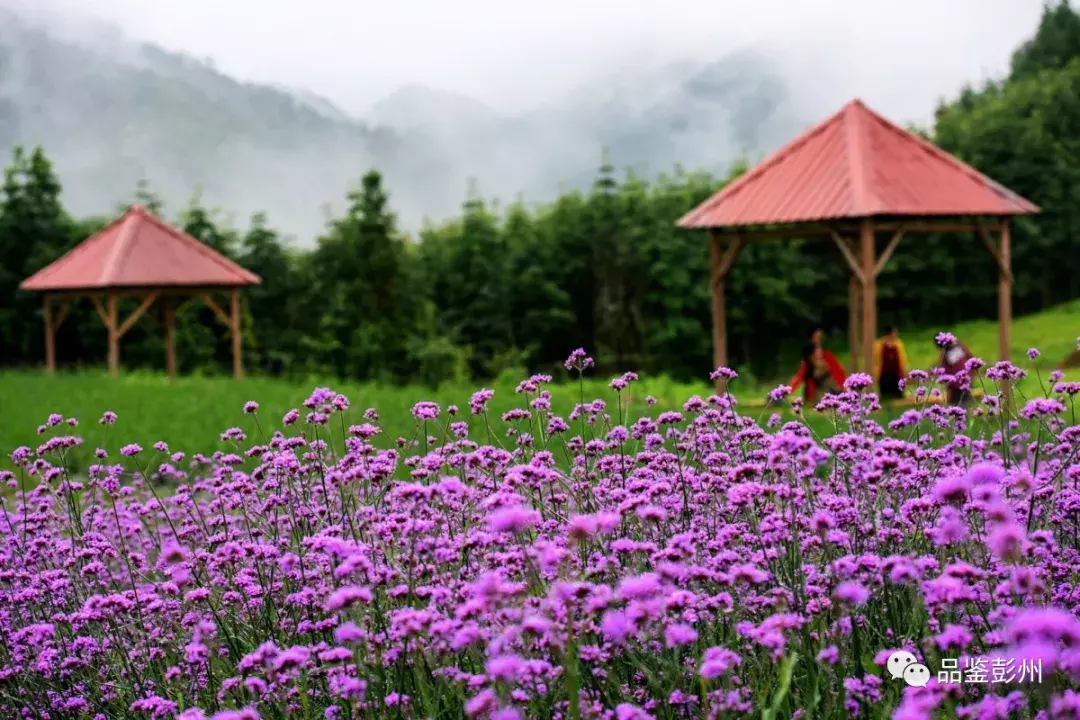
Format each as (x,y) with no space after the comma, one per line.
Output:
(140,255)
(852,178)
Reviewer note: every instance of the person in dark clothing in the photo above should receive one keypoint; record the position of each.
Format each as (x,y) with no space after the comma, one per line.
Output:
(890,364)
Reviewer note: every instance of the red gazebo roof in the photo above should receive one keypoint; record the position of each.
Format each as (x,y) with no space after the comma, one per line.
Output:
(855,164)
(141,250)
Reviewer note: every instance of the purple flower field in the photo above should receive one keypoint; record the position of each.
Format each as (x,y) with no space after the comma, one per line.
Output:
(695,564)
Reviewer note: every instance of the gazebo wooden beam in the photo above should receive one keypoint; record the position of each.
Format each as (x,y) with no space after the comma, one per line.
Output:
(864,265)
(232,320)
(847,229)
(141,291)
(890,248)
(1003,263)
(65,309)
(850,256)
(96,299)
(855,284)
(209,302)
(110,317)
(106,303)
(170,309)
(139,312)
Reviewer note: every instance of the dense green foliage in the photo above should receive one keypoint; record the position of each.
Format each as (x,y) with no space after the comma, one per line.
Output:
(499,289)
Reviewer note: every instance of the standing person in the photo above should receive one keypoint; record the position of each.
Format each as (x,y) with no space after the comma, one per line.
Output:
(954,356)
(820,373)
(890,364)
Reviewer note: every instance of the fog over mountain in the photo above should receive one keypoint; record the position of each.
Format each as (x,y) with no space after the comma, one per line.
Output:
(112,109)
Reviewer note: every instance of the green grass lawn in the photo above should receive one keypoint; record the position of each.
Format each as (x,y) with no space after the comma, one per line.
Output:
(190,413)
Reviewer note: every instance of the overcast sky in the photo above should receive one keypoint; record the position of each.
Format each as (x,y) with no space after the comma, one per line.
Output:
(898,56)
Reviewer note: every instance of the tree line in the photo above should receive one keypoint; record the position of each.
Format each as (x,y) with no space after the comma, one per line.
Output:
(517,287)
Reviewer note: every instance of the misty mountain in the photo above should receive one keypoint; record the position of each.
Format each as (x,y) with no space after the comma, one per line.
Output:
(111,112)
(316,102)
(421,109)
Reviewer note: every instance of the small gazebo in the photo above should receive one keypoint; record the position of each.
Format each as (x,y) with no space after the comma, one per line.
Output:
(140,255)
(851,177)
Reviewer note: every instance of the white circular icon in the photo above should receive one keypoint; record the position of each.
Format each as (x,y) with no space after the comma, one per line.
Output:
(917,675)
(898,661)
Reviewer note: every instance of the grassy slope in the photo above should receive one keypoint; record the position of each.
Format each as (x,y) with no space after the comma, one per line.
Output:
(1054,332)
(190,413)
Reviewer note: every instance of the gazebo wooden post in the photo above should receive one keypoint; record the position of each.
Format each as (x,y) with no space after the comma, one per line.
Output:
(869,293)
(1005,301)
(854,320)
(878,265)
(719,312)
(1002,254)
(50,336)
(1004,292)
(720,262)
(237,337)
(168,311)
(53,321)
(112,325)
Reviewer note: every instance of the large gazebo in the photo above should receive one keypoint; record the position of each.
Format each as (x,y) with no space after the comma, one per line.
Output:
(852,177)
(140,255)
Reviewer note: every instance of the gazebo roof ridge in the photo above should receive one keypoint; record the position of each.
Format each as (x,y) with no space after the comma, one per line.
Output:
(37,281)
(1029,208)
(855,164)
(739,183)
(170,258)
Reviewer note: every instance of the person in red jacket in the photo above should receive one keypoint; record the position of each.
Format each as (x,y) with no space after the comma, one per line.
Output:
(820,373)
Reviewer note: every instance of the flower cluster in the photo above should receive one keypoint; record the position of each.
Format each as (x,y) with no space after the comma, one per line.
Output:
(691,564)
